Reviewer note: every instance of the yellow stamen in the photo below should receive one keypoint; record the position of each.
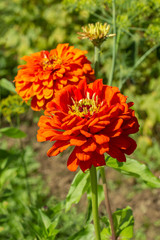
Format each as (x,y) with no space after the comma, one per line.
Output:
(51,63)
(85,107)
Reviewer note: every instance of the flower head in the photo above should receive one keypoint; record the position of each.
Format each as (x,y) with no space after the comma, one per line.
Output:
(48,72)
(96,33)
(94,118)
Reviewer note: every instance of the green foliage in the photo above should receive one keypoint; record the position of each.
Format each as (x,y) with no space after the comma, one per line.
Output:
(12,132)
(25,217)
(12,106)
(134,168)
(86,233)
(123,223)
(4,83)
(78,188)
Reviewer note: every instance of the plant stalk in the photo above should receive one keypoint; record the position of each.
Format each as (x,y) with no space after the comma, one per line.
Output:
(93,177)
(107,202)
(114,43)
(96,59)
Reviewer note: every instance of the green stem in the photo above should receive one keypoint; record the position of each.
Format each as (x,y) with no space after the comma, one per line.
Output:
(107,202)
(96,59)
(93,177)
(114,43)
(140,60)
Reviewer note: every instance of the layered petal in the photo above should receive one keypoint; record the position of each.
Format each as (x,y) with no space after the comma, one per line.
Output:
(94,118)
(45,73)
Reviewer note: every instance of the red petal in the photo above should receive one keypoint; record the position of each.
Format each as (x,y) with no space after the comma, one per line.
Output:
(85,165)
(96,128)
(98,160)
(116,153)
(132,147)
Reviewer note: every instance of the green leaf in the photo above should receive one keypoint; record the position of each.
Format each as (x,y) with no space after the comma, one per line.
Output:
(87,233)
(12,132)
(6,175)
(123,224)
(134,168)
(105,234)
(44,219)
(7,85)
(78,187)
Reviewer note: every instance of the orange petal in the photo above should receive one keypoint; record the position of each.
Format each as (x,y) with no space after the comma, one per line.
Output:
(82,156)
(101,138)
(101,149)
(72,163)
(86,134)
(78,141)
(58,147)
(89,146)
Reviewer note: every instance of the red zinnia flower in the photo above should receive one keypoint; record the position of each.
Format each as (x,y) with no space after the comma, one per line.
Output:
(47,72)
(95,119)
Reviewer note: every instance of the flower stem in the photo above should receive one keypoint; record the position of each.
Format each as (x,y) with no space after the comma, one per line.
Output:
(114,43)
(93,177)
(107,202)
(96,59)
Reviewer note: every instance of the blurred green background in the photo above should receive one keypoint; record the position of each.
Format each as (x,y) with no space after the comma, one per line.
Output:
(30,26)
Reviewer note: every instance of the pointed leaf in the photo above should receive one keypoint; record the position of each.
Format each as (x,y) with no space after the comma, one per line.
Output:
(134,168)
(12,132)
(7,85)
(44,219)
(87,233)
(123,224)
(78,188)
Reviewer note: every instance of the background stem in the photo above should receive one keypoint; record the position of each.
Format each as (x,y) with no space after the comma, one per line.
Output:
(96,59)
(93,176)
(139,61)
(114,43)
(107,203)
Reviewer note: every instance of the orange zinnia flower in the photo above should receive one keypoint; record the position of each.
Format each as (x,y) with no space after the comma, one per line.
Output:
(95,119)
(47,72)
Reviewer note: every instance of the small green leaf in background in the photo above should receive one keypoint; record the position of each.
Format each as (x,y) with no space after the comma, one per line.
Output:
(136,169)
(46,228)
(123,223)
(78,188)
(44,219)
(7,85)
(87,233)
(12,132)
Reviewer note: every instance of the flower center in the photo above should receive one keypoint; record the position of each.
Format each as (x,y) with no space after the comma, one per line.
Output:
(85,107)
(51,63)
